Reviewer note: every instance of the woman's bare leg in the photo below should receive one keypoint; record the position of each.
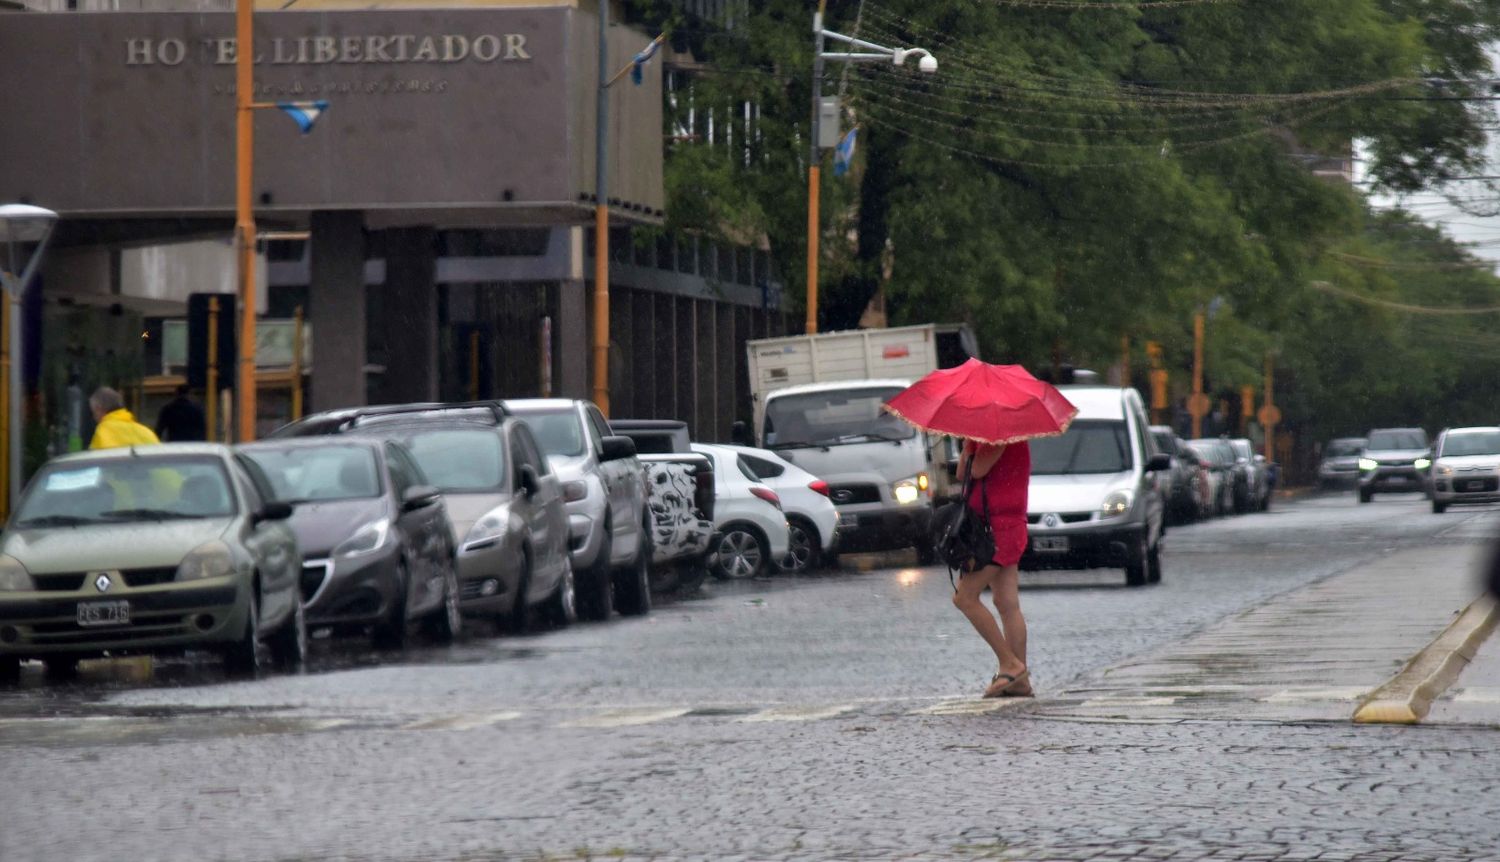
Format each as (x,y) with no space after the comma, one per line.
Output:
(1005,592)
(966,599)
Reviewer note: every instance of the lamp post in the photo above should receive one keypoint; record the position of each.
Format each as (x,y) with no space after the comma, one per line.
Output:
(869,53)
(20,225)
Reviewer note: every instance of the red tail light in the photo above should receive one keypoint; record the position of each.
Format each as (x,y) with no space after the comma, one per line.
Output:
(766,494)
(820,486)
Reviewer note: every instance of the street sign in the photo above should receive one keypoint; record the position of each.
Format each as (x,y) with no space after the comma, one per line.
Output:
(1269,415)
(1199,404)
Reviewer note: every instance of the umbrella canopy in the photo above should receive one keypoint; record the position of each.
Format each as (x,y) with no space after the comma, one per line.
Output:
(989,403)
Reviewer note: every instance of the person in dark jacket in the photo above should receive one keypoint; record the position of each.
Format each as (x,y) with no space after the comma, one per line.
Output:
(181,420)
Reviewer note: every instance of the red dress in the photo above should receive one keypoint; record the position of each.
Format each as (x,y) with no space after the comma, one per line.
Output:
(1004,489)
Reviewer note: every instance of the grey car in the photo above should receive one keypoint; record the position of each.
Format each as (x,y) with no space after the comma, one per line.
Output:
(1395,459)
(1340,464)
(377,548)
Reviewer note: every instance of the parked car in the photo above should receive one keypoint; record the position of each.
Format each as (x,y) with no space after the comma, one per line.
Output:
(750,526)
(1256,484)
(1466,467)
(812,519)
(1181,484)
(1395,459)
(146,550)
(609,531)
(1340,464)
(1222,475)
(1093,497)
(377,547)
(1206,486)
(679,498)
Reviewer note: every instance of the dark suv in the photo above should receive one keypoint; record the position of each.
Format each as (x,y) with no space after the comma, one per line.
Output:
(1395,459)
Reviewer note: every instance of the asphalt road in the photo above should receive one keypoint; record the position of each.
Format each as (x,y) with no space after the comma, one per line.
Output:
(828,716)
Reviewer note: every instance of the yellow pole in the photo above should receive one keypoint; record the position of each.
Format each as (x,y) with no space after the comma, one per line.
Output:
(1198,398)
(211,399)
(601,307)
(1270,402)
(297,363)
(813,172)
(244,222)
(5,399)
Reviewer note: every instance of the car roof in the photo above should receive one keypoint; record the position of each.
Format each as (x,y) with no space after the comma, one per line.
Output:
(310,442)
(809,388)
(153,450)
(1473,429)
(538,405)
(1096,402)
(648,424)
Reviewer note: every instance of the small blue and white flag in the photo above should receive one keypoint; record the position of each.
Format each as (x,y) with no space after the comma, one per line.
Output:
(305,113)
(641,59)
(843,154)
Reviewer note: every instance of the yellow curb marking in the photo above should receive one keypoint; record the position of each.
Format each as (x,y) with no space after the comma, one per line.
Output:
(627,718)
(1406,697)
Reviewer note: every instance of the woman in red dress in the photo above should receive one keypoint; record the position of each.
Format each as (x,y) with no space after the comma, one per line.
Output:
(1001,477)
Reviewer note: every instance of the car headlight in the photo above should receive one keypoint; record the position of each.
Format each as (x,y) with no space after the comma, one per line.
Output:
(13,576)
(366,540)
(1422,463)
(211,560)
(1445,470)
(488,529)
(576,490)
(1368,464)
(908,491)
(1116,504)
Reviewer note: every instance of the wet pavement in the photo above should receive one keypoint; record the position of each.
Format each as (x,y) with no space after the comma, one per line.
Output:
(827,717)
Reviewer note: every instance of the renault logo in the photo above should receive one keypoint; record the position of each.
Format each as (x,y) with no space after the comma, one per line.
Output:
(102,583)
(1049,521)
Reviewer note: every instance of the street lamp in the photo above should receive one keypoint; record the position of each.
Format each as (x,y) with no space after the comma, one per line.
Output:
(20,225)
(868,52)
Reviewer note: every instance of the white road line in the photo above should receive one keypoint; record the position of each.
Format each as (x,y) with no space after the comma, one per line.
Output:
(1125,701)
(969,706)
(1477,695)
(627,717)
(1301,695)
(461,722)
(796,713)
(325,724)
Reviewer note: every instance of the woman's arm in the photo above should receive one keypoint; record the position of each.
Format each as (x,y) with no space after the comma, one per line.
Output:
(965,454)
(985,460)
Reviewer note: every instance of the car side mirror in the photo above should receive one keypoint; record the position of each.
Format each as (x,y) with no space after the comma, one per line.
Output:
(1159,462)
(617,449)
(274,511)
(418,497)
(530,481)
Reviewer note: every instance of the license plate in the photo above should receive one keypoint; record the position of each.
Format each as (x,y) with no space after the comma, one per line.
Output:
(1472,485)
(848,520)
(104,613)
(1049,544)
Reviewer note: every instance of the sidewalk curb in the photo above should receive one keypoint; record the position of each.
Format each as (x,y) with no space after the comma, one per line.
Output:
(1406,697)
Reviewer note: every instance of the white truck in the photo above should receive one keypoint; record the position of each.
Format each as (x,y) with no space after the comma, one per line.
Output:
(817,403)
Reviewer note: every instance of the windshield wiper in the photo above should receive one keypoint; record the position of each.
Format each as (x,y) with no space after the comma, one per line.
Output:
(57,521)
(148,514)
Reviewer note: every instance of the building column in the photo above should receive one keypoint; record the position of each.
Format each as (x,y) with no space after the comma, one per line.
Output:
(410,311)
(570,338)
(336,309)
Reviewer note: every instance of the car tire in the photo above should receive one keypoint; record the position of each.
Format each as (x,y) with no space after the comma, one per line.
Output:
(248,654)
(446,623)
(596,590)
(517,620)
(1366,496)
(1439,508)
(10,670)
(633,583)
(1138,563)
(742,553)
(60,668)
(804,550)
(289,644)
(1153,561)
(562,605)
(393,633)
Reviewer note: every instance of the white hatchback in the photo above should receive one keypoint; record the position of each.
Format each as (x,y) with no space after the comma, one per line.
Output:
(750,528)
(811,517)
(1466,467)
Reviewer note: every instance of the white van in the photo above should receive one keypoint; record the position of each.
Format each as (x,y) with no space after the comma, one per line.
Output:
(1096,495)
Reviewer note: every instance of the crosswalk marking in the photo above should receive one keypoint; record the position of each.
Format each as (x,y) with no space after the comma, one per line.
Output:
(1298,695)
(969,706)
(461,722)
(1477,695)
(627,717)
(796,713)
(1116,701)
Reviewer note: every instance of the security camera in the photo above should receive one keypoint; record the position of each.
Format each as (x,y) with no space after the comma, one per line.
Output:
(927,64)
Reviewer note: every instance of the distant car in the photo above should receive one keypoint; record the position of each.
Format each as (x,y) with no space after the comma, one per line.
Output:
(750,526)
(376,543)
(1221,468)
(1466,467)
(150,549)
(811,517)
(1256,494)
(1395,459)
(1340,464)
(1205,487)
(1182,483)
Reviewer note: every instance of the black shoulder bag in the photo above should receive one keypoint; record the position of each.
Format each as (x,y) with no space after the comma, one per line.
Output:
(962,537)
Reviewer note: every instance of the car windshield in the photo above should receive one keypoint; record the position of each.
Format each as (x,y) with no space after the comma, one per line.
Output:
(559,433)
(119,490)
(1209,450)
(1398,439)
(1345,448)
(1087,447)
(459,459)
(301,474)
(837,416)
(1471,443)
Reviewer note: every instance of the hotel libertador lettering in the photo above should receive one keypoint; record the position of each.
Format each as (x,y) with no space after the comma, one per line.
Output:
(330,50)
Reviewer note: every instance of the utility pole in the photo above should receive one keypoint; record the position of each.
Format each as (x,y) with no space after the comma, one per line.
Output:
(814,170)
(1198,403)
(244,215)
(601,219)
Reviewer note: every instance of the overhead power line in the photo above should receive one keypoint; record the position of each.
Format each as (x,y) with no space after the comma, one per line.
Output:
(1449,311)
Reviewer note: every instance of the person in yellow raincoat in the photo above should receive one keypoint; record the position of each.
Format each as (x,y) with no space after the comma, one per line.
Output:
(116,426)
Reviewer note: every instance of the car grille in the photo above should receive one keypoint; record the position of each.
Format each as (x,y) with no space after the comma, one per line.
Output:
(65,583)
(73,581)
(314,573)
(148,577)
(1481,484)
(1064,517)
(845,495)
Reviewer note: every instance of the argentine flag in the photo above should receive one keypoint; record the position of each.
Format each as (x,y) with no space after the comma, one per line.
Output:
(639,63)
(843,154)
(305,113)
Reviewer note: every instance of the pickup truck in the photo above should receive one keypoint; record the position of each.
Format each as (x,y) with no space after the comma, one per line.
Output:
(680,498)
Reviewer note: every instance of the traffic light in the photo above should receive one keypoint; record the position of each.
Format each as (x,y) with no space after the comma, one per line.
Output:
(198,323)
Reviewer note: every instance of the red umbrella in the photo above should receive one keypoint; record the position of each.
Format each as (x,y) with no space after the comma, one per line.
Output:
(990,403)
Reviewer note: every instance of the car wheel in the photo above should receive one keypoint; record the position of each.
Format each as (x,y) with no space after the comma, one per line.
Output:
(803,550)
(1439,508)
(247,655)
(446,623)
(1138,563)
(633,583)
(289,643)
(518,619)
(1153,565)
(562,607)
(60,668)
(596,592)
(10,670)
(742,553)
(1366,496)
(391,633)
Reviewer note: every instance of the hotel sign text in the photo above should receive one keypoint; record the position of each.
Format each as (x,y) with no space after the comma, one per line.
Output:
(326,50)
